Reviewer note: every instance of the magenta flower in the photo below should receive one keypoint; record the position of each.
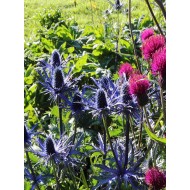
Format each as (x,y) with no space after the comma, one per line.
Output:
(138,86)
(145,34)
(126,69)
(158,66)
(155,179)
(151,45)
(159,62)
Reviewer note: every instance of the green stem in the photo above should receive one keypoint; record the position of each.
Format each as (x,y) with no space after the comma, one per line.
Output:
(60,116)
(140,136)
(132,129)
(54,171)
(75,131)
(109,139)
(153,16)
(134,45)
(163,104)
(32,171)
(147,120)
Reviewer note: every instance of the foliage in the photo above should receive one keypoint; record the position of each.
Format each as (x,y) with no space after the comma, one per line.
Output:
(80,157)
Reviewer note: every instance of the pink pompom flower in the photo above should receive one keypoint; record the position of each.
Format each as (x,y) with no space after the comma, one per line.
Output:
(125,69)
(151,45)
(145,34)
(158,66)
(138,86)
(155,178)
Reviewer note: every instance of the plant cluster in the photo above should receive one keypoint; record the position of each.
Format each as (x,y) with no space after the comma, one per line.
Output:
(95,107)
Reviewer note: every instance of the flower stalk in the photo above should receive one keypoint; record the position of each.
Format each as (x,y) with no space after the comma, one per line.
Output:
(32,171)
(163,105)
(147,120)
(105,149)
(153,16)
(132,37)
(109,139)
(127,127)
(140,136)
(60,116)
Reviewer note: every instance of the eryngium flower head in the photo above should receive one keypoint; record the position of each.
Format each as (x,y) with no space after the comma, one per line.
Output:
(145,34)
(101,100)
(28,134)
(50,149)
(49,146)
(155,178)
(125,69)
(153,44)
(138,86)
(55,59)
(158,66)
(104,82)
(76,105)
(58,79)
(125,96)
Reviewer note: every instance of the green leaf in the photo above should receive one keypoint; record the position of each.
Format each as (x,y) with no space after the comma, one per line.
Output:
(29,70)
(71,49)
(79,64)
(33,88)
(153,136)
(55,111)
(97,52)
(48,44)
(28,80)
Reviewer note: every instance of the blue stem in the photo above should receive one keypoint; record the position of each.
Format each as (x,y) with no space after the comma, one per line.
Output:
(105,150)
(127,127)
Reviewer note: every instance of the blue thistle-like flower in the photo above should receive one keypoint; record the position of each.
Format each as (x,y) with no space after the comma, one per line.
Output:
(114,177)
(58,80)
(50,149)
(58,84)
(125,103)
(60,150)
(55,59)
(76,104)
(101,99)
(50,146)
(125,96)
(28,134)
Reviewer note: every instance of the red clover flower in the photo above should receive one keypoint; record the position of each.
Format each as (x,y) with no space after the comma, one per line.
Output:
(126,69)
(145,34)
(138,86)
(155,179)
(152,44)
(158,66)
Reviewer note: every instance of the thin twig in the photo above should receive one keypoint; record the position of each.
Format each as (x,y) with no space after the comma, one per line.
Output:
(134,45)
(153,16)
